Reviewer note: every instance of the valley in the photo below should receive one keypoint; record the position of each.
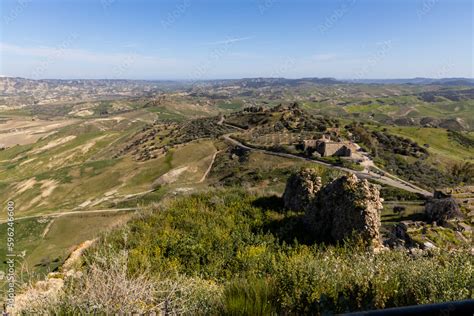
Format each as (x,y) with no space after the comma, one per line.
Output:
(79,171)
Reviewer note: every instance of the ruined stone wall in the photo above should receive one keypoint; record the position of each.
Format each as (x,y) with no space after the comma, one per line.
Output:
(300,189)
(345,207)
(339,210)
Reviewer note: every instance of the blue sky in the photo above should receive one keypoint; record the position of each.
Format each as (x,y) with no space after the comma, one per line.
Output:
(199,39)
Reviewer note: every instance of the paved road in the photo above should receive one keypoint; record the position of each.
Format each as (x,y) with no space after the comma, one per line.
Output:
(387,179)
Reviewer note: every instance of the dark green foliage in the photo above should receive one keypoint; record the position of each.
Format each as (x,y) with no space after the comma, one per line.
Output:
(380,141)
(461,139)
(397,155)
(198,129)
(201,234)
(102,109)
(252,297)
(246,120)
(463,172)
(391,193)
(418,171)
(338,280)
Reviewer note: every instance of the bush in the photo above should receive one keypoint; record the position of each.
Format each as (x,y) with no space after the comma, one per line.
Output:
(342,280)
(253,297)
(107,287)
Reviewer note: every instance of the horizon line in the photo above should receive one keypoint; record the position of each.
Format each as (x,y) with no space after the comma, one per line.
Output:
(243,78)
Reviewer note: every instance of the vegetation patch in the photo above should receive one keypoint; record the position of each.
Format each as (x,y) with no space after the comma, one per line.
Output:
(237,242)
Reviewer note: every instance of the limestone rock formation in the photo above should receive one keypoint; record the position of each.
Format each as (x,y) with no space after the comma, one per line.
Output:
(301,188)
(344,207)
(442,210)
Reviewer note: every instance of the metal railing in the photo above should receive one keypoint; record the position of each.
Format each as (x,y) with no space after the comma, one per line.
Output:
(465,307)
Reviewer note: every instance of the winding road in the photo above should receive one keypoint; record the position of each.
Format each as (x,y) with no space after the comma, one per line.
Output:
(387,178)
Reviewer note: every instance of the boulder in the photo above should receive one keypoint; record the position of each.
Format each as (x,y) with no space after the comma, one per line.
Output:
(442,210)
(301,188)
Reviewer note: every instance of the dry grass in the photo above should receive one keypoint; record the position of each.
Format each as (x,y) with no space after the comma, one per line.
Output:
(106,287)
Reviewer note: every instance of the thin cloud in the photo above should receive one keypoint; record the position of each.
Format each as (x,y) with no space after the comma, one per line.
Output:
(230,40)
(73,54)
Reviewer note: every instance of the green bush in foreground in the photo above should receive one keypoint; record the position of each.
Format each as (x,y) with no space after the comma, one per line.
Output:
(249,297)
(232,240)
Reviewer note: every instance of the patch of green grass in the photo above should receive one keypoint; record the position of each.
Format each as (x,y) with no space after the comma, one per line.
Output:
(166,114)
(358,108)
(230,106)
(144,200)
(252,297)
(94,168)
(27,235)
(45,253)
(413,210)
(438,140)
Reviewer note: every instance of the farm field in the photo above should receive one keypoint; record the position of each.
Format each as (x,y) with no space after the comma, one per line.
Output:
(73,180)
(24,130)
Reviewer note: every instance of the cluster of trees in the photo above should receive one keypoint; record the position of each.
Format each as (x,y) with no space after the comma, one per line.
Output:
(408,159)
(462,172)
(198,128)
(382,141)
(461,139)
(297,120)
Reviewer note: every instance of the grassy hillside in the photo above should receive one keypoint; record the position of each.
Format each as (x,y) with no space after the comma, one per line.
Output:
(229,252)
(444,148)
(230,247)
(75,168)
(44,243)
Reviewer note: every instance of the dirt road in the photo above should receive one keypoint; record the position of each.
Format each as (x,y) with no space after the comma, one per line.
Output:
(112,210)
(210,166)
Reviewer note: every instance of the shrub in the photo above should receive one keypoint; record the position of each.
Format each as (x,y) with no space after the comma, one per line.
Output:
(339,280)
(108,288)
(253,297)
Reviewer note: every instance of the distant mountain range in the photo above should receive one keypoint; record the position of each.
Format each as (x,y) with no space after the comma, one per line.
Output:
(419,81)
(244,82)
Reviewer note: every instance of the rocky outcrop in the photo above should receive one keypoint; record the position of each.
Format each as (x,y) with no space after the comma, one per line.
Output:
(463,195)
(301,188)
(441,210)
(345,207)
(338,210)
(48,292)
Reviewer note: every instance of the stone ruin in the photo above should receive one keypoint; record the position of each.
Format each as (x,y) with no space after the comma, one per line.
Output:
(338,210)
(301,188)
